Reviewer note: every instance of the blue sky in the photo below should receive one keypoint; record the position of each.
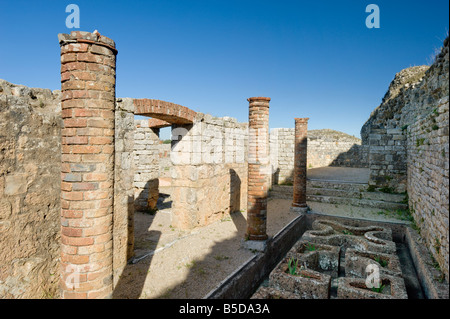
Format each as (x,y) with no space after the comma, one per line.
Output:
(315,59)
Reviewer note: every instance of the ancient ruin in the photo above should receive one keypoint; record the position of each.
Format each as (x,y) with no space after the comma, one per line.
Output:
(77,169)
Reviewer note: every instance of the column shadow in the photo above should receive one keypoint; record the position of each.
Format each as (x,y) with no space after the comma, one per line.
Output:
(201,269)
(132,278)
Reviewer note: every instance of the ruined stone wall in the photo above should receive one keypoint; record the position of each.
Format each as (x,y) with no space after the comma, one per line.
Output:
(428,180)
(325,148)
(30,169)
(146,159)
(123,226)
(384,132)
(408,140)
(428,158)
(209,170)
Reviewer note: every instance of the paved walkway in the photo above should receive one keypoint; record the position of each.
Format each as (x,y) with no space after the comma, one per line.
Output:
(341,174)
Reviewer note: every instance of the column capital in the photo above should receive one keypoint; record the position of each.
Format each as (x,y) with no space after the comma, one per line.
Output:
(259,99)
(301,119)
(87,37)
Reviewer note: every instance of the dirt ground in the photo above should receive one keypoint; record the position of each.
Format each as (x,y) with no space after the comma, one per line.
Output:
(189,264)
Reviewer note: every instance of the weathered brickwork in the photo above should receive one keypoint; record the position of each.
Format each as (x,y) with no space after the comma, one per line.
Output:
(166,111)
(258,168)
(30,165)
(301,146)
(325,148)
(87,170)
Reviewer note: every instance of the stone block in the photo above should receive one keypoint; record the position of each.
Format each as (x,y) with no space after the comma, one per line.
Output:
(15,184)
(318,257)
(357,261)
(356,288)
(306,283)
(370,238)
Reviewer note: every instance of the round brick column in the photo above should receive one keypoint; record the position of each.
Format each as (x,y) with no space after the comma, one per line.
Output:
(88,64)
(301,143)
(258,168)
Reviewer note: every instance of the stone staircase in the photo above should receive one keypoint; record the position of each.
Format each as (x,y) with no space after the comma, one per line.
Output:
(347,193)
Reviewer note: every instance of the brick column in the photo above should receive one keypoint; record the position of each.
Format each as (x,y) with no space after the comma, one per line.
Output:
(301,141)
(88,63)
(258,168)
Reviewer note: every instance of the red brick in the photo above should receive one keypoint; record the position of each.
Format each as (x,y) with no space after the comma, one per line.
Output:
(85,149)
(75,241)
(100,140)
(84,186)
(70,140)
(71,232)
(74,259)
(74,295)
(72,195)
(83,75)
(75,122)
(95,177)
(67,213)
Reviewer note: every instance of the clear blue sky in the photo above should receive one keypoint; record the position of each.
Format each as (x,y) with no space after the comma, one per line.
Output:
(315,59)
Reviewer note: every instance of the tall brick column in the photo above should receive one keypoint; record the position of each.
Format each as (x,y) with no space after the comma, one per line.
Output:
(301,143)
(88,63)
(258,168)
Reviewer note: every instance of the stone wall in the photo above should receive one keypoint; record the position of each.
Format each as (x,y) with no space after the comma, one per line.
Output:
(428,180)
(123,226)
(209,170)
(325,148)
(30,166)
(384,132)
(146,158)
(428,158)
(407,136)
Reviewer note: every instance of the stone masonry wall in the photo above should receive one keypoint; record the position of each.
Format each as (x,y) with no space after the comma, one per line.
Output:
(407,136)
(428,179)
(428,158)
(209,170)
(325,148)
(123,226)
(146,159)
(30,166)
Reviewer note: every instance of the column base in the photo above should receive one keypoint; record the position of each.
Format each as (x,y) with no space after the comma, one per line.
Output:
(258,245)
(300,210)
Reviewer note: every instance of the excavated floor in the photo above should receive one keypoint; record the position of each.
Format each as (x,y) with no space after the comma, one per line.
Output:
(346,272)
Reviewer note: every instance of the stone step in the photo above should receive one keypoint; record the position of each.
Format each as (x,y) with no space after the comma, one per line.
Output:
(349,186)
(344,193)
(281,191)
(379,196)
(357,202)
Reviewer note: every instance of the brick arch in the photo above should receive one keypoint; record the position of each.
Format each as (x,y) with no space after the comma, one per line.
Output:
(163,111)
